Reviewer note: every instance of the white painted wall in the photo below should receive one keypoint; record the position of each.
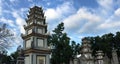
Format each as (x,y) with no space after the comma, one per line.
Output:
(40,42)
(28,43)
(40,30)
(29,31)
(27,60)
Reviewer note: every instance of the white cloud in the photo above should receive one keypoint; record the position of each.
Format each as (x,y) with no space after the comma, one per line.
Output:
(60,11)
(105,7)
(17,37)
(106,4)
(12,0)
(30,0)
(117,12)
(112,22)
(19,21)
(90,21)
(51,14)
(80,18)
(0,7)
(7,21)
(85,14)
(108,25)
(23,9)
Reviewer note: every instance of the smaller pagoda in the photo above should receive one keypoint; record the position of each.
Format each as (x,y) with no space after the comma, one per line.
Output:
(86,53)
(100,57)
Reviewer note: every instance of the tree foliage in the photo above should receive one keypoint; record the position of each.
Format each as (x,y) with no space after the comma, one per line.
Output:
(8,59)
(106,43)
(75,49)
(6,40)
(62,51)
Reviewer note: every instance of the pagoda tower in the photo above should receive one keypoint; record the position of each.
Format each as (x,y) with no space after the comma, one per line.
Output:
(86,52)
(35,46)
(99,57)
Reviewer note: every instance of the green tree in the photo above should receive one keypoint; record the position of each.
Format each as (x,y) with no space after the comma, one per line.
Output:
(75,49)
(105,43)
(108,44)
(3,56)
(117,43)
(61,49)
(6,39)
(6,59)
(14,56)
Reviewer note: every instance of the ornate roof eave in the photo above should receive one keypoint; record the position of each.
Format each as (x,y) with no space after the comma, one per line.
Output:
(34,24)
(42,51)
(33,13)
(34,34)
(28,20)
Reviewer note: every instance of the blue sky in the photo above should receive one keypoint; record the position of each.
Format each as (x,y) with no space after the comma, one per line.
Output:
(81,17)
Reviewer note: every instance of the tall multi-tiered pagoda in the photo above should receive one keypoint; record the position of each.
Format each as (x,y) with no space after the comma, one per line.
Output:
(35,46)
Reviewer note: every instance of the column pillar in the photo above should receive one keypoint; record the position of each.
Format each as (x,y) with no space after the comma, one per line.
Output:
(34,57)
(47,59)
